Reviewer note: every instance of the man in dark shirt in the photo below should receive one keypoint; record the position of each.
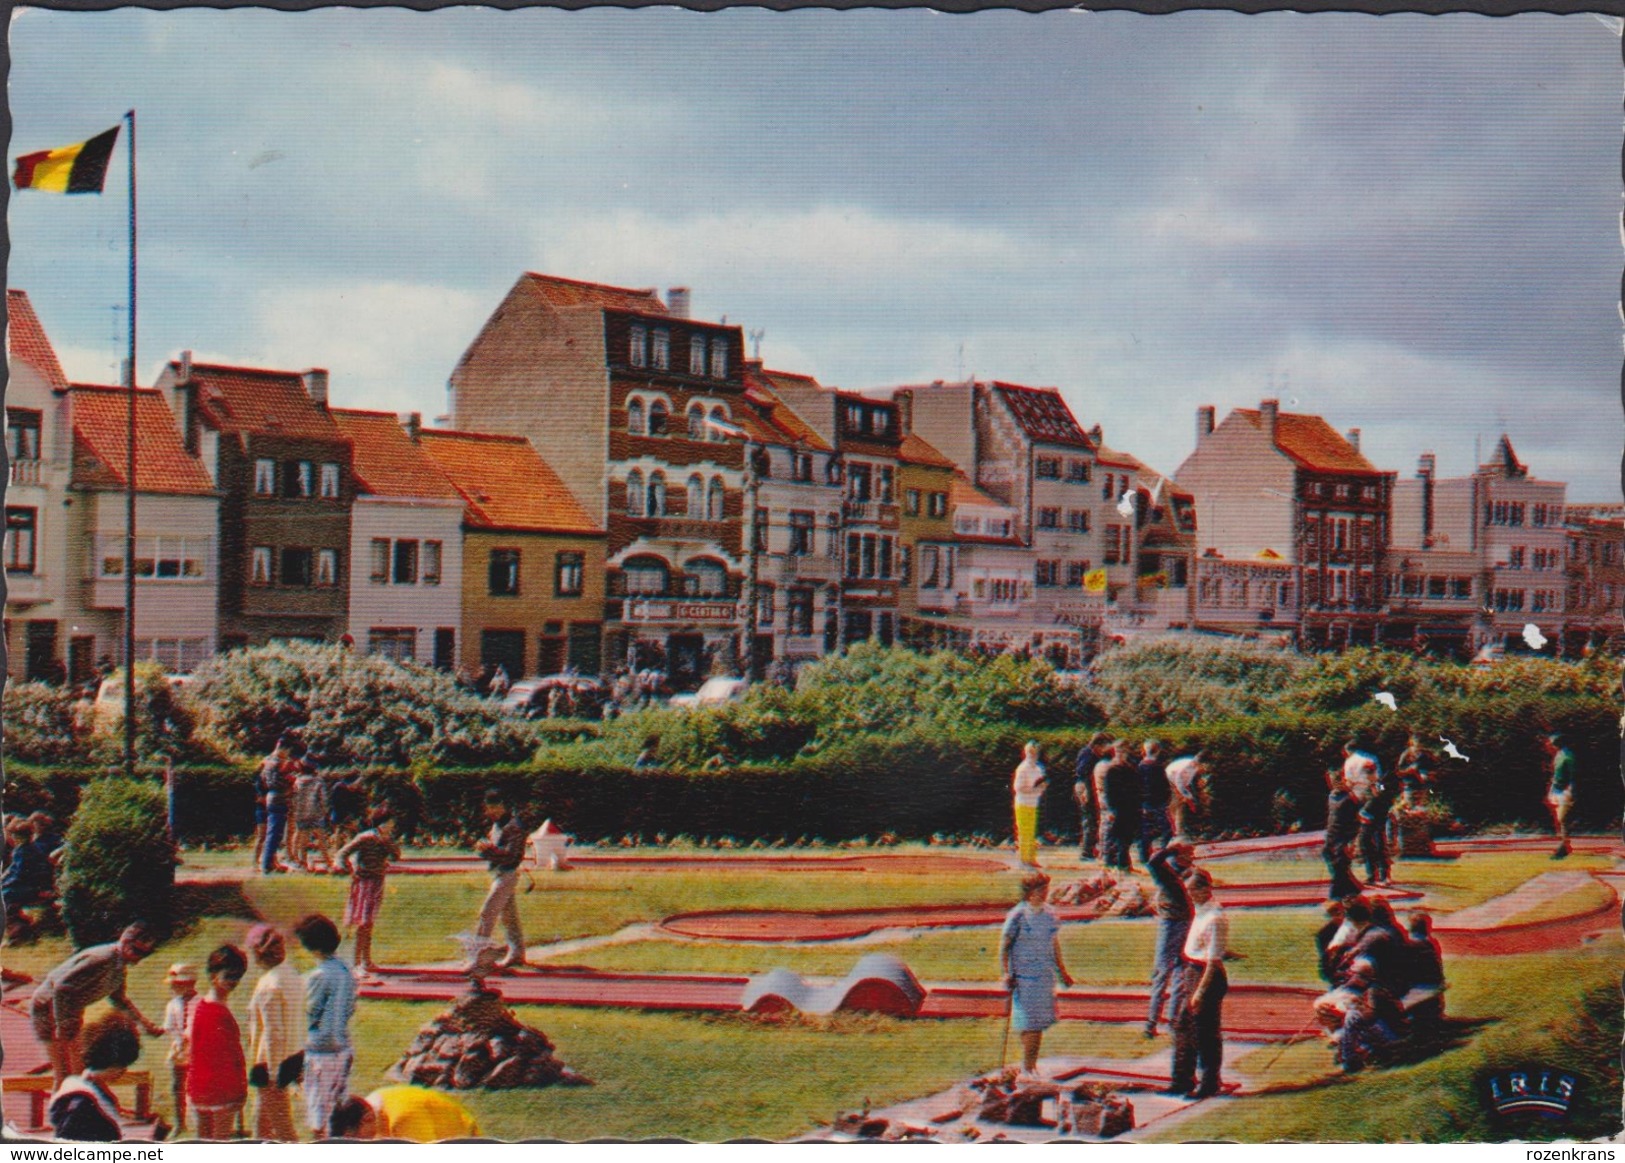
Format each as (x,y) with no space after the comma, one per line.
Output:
(1168,867)
(1083,791)
(1342,826)
(1122,790)
(503,848)
(1155,826)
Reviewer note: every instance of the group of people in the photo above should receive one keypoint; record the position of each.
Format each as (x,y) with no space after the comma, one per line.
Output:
(298,1039)
(304,809)
(1123,802)
(1372,963)
(30,851)
(1188,971)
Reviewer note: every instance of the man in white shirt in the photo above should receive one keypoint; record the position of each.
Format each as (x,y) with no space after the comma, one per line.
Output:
(1198,1037)
(1185,781)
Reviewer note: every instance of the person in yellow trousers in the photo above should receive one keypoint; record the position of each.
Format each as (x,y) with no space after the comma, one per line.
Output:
(1028,787)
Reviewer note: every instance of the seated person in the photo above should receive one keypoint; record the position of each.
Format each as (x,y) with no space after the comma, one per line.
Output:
(83,1108)
(29,879)
(1372,1023)
(1330,954)
(1426,957)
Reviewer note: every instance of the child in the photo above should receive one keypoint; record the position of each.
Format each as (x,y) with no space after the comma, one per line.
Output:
(368,856)
(329,1005)
(276,1017)
(216,1076)
(307,840)
(177,1016)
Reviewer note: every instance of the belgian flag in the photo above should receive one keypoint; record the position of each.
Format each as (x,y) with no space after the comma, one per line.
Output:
(73,169)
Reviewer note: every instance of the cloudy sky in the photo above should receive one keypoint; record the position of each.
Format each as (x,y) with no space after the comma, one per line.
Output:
(1407,224)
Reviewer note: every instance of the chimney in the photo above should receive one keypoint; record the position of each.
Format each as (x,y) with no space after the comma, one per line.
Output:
(316,384)
(1353,437)
(414,426)
(1271,412)
(1425,466)
(1097,434)
(905,411)
(677,302)
(1204,422)
(186,367)
(1424,469)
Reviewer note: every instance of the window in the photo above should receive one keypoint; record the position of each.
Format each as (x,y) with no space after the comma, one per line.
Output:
(175,655)
(164,558)
(911,502)
(21,528)
(696,422)
(937,504)
(1047,573)
(764,605)
(634,417)
(297,567)
(885,548)
(431,563)
(380,560)
(502,574)
(405,571)
(801,466)
(1077,520)
(634,494)
(1515,513)
(1515,557)
(394,643)
(854,554)
(1436,588)
(264,477)
(930,567)
(1508,600)
(646,576)
(696,495)
(660,356)
(569,572)
(659,417)
(1342,492)
(299,478)
(719,358)
(637,346)
(327,567)
(858,482)
(657,494)
(715,500)
(1048,468)
(1114,549)
(330,479)
(696,355)
(1107,484)
(833,471)
(759,530)
(801,533)
(1368,492)
(707,579)
(867,555)
(719,428)
(832,535)
(798,608)
(1077,471)
(260,574)
(887,480)
(23,433)
(1461,587)
(1049,518)
(1075,573)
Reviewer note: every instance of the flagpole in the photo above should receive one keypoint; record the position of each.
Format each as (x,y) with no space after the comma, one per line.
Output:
(129,495)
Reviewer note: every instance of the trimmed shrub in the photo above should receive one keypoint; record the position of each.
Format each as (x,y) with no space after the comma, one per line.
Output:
(360,710)
(120,865)
(164,721)
(39,723)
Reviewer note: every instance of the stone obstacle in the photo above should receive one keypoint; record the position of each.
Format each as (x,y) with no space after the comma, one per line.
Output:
(479,1043)
(879,983)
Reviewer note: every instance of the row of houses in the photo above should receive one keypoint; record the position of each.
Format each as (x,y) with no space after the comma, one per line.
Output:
(617,484)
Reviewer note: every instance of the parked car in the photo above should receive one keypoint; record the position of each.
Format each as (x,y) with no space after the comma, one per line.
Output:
(531,697)
(714,692)
(108,710)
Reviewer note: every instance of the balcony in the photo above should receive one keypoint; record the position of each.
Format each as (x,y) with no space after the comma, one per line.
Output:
(884,513)
(25,472)
(807,565)
(25,589)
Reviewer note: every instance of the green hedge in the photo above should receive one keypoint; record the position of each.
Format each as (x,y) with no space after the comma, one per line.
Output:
(120,864)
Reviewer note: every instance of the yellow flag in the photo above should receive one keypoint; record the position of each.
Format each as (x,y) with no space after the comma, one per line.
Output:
(1095,580)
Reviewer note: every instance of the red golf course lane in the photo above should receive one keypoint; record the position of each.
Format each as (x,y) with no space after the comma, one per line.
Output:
(1582,845)
(1250,1010)
(843,924)
(903,863)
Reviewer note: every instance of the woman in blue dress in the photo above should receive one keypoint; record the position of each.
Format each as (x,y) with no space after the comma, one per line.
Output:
(1030,960)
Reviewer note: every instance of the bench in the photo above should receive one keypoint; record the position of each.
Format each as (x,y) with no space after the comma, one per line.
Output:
(1424,1005)
(40,1087)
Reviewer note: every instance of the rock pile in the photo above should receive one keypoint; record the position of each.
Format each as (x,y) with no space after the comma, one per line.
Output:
(1103,895)
(480,1043)
(1084,1108)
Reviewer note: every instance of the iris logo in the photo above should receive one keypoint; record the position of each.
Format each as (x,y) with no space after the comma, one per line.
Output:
(1539,1091)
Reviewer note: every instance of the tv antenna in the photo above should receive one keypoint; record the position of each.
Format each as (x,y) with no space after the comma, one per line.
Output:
(756,344)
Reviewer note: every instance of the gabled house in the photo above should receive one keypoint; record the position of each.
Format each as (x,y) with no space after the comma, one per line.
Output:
(640,411)
(1294,528)
(283,468)
(532,558)
(406,543)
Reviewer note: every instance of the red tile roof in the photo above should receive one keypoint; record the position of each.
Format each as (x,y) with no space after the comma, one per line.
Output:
(101,443)
(26,340)
(1117,458)
(387,462)
(1311,442)
(1043,415)
(963,492)
(917,451)
(505,483)
(761,389)
(238,400)
(557,292)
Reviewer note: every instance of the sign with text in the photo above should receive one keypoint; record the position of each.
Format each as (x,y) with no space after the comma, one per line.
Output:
(676,611)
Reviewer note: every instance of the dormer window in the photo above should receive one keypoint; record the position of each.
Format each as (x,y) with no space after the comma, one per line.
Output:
(719,359)
(330,479)
(882,421)
(696,355)
(637,346)
(660,356)
(265,477)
